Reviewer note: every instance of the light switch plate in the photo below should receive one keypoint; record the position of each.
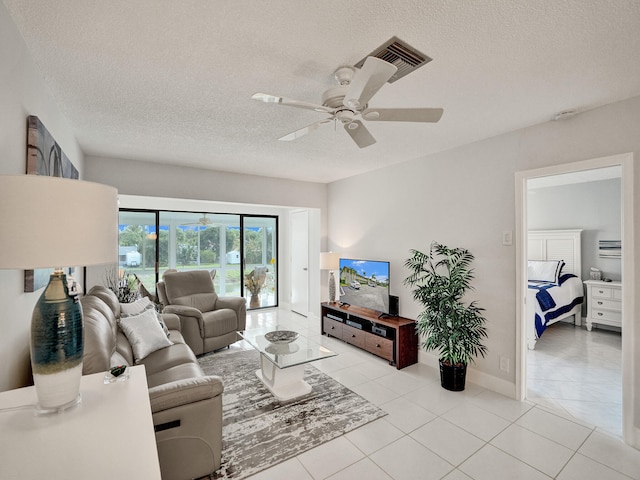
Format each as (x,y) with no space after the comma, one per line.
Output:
(507,237)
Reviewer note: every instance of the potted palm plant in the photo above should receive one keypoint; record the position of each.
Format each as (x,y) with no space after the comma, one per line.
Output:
(454,329)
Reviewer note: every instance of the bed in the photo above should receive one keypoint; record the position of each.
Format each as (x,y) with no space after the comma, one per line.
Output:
(555,291)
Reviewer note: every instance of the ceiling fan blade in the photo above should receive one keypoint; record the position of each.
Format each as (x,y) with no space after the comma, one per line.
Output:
(265,97)
(430,115)
(367,81)
(303,131)
(359,133)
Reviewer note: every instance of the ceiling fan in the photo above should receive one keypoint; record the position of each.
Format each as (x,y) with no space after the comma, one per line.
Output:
(203,221)
(348,103)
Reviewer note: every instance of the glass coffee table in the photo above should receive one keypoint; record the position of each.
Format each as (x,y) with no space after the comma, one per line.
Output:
(283,355)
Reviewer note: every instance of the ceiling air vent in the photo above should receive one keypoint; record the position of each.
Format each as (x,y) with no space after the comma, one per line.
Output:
(400,54)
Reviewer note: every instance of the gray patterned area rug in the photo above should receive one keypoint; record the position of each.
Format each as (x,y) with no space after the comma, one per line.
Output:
(259,432)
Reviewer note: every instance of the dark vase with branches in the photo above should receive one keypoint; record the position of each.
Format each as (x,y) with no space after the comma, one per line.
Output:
(440,279)
(125,285)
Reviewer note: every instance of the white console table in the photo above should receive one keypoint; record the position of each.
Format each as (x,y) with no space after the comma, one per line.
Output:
(108,436)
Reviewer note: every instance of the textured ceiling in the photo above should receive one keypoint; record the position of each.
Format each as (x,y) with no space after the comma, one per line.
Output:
(171,81)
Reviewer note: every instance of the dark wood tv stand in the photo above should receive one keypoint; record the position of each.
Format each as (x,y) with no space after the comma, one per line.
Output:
(392,338)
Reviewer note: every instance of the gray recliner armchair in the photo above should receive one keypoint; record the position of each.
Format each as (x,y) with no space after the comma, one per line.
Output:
(208,322)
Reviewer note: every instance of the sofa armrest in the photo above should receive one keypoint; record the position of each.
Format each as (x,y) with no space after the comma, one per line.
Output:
(182,392)
(171,320)
(239,305)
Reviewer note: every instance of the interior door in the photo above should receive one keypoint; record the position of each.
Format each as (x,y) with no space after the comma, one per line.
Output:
(300,262)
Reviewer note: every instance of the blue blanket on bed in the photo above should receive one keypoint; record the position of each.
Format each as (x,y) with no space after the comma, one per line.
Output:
(540,327)
(547,303)
(545,300)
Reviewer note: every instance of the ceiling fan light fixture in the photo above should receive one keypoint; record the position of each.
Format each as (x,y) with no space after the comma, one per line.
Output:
(345,116)
(348,102)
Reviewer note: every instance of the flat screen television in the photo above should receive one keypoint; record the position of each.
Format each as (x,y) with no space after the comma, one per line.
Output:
(365,283)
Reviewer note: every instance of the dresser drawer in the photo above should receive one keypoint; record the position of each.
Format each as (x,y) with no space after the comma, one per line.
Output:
(332,327)
(605,304)
(602,292)
(353,336)
(606,315)
(382,347)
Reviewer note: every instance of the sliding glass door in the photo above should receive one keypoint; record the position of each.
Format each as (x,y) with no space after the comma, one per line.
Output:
(240,251)
(202,241)
(260,260)
(137,236)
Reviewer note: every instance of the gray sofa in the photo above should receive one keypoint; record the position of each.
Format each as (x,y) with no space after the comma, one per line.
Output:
(186,404)
(208,322)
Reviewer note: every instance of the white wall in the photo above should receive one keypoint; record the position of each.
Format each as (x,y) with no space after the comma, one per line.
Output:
(22,93)
(592,206)
(142,178)
(465,197)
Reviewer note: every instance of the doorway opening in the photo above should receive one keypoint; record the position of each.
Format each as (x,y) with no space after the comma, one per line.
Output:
(523,181)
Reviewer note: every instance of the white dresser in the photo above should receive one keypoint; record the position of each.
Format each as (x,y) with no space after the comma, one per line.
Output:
(604,303)
(108,436)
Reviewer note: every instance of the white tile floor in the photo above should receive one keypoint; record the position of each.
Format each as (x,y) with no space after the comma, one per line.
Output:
(431,433)
(578,372)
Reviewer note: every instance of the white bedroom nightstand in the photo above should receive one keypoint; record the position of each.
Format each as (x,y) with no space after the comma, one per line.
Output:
(604,303)
(108,436)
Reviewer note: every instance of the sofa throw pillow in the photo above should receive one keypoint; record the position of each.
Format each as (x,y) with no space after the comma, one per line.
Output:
(144,333)
(544,270)
(139,306)
(136,307)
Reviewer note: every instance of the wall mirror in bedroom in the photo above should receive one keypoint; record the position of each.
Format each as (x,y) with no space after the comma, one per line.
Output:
(571,327)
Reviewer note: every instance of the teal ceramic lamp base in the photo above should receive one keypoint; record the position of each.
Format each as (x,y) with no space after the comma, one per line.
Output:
(57,345)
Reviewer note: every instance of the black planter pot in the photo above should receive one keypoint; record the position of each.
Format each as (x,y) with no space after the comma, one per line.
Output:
(452,377)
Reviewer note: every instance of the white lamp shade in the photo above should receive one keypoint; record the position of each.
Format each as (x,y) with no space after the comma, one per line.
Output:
(329,261)
(50,222)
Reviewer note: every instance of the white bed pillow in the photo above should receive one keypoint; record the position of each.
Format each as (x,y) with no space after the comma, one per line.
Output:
(544,270)
(144,334)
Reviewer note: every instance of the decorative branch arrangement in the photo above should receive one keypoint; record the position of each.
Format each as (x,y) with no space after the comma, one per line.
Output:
(125,285)
(254,280)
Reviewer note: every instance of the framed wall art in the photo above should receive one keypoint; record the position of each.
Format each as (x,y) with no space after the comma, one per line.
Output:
(44,157)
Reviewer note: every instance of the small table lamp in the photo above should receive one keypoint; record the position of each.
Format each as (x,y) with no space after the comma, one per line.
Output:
(330,261)
(51,222)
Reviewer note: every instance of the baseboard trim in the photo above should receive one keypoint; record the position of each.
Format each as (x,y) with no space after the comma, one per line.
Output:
(634,439)
(495,384)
